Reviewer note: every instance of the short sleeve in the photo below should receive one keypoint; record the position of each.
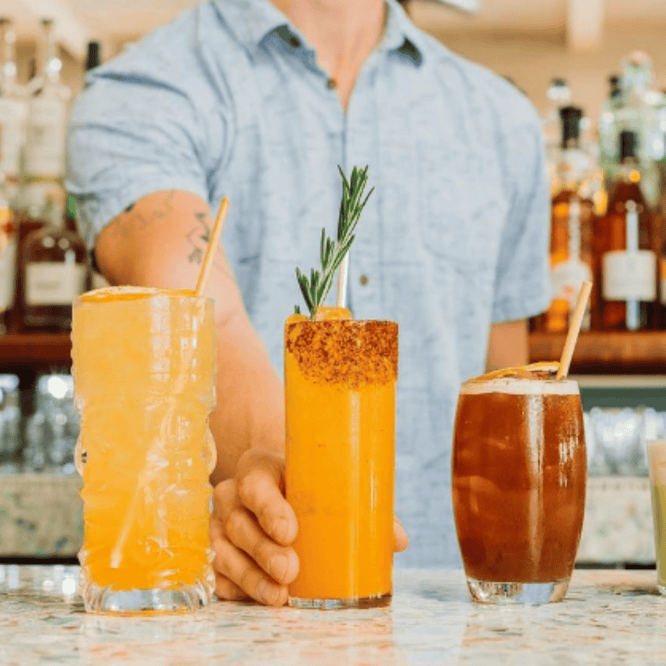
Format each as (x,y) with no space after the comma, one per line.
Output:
(131,134)
(522,286)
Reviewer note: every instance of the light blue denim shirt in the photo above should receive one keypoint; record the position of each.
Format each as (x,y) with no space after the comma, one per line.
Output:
(229,99)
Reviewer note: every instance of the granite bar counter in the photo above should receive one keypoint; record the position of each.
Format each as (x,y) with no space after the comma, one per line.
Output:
(608,617)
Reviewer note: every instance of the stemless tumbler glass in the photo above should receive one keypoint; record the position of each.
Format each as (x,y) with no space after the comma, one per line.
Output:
(340,413)
(144,367)
(518,480)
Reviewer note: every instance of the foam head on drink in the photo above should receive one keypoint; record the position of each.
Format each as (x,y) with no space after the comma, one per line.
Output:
(519,470)
(340,413)
(144,365)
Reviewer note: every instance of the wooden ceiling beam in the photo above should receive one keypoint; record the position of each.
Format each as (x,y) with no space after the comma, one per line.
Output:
(584,24)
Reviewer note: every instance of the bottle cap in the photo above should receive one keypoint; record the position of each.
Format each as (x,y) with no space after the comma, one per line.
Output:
(570,116)
(628,144)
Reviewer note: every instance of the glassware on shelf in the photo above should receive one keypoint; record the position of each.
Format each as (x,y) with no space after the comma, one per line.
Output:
(10,421)
(620,436)
(52,430)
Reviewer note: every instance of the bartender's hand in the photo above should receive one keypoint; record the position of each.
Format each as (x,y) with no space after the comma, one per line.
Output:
(251,529)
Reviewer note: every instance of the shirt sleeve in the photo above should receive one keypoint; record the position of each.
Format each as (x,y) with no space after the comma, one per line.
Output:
(522,286)
(131,133)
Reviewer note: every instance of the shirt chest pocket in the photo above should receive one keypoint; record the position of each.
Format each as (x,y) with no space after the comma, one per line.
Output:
(461,208)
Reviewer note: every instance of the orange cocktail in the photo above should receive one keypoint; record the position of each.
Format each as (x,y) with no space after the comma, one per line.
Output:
(340,412)
(144,366)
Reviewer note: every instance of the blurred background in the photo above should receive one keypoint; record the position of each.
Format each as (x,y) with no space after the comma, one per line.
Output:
(596,72)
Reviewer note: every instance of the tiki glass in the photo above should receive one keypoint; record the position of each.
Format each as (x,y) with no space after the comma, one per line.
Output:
(144,366)
(519,473)
(340,412)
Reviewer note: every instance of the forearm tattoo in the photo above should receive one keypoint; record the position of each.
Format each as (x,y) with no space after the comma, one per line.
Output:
(198,238)
(132,218)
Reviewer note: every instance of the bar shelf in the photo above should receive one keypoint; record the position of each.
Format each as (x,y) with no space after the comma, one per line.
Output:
(608,352)
(34,349)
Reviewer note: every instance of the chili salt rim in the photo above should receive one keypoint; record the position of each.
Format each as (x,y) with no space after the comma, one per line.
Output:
(348,352)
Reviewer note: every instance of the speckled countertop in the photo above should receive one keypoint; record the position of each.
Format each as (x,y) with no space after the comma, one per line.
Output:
(608,617)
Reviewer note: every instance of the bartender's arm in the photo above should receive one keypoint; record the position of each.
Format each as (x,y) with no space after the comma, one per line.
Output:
(160,241)
(508,345)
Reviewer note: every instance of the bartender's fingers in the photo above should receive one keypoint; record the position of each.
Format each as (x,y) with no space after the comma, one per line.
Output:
(400,538)
(232,563)
(243,530)
(260,488)
(227,589)
(234,570)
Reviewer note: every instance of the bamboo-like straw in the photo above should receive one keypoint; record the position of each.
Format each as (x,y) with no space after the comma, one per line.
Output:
(574,329)
(343,279)
(212,246)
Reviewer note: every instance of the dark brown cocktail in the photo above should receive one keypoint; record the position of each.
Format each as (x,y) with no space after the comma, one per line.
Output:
(519,472)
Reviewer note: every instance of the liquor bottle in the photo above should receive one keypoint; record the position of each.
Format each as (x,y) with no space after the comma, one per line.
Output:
(572,214)
(625,238)
(7,258)
(47,118)
(55,269)
(13,109)
(634,110)
(559,96)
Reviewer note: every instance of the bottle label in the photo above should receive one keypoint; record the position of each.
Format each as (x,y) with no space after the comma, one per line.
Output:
(53,283)
(7,268)
(567,278)
(629,276)
(45,152)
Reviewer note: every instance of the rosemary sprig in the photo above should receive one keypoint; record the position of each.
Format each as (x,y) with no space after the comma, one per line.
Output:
(315,289)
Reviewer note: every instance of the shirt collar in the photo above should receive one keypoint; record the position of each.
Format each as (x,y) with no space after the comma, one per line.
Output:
(252,21)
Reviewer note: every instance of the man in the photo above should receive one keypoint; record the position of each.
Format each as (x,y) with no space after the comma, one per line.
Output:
(261,100)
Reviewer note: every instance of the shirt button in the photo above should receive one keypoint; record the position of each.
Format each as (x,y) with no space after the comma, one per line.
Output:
(364,280)
(331,84)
